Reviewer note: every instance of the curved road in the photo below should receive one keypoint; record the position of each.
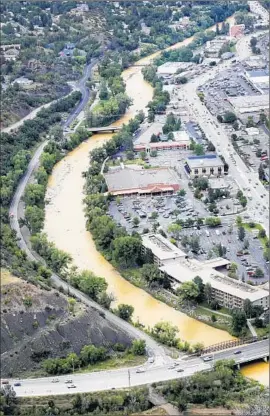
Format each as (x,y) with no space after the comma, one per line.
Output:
(153,348)
(127,377)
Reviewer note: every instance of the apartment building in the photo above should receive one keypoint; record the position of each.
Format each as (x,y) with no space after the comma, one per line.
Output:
(178,268)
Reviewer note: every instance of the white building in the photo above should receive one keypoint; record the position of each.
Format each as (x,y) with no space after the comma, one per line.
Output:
(176,265)
(213,47)
(160,249)
(170,68)
(205,165)
(250,103)
(258,9)
(228,292)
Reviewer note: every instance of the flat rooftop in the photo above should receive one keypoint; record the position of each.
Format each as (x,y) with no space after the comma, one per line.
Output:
(204,160)
(144,138)
(258,73)
(249,101)
(172,67)
(136,178)
(186,270)
(161,247)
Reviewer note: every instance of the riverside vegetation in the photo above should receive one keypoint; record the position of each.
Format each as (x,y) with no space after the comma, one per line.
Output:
(222,387)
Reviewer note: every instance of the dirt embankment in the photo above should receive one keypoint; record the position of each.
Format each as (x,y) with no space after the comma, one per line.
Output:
(38,324)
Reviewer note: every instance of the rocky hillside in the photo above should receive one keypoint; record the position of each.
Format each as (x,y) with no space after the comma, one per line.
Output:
(37,324)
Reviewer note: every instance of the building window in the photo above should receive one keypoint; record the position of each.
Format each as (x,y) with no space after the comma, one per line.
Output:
(196,171)
(219,170)
(203,170)
(212,171)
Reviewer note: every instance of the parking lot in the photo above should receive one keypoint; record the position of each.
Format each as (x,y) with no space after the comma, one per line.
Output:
(165,211)
(209,238)
(230,83)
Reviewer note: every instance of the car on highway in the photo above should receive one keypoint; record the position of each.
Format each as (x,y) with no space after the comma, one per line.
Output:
(237,352)
(180,370)
(11,215)
(151,360)
(17,384)
(4,382)
(71,386)
(205,359)
(55,380)
(140,370)
(68,381)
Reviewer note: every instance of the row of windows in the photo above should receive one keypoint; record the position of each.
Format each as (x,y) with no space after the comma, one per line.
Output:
(211,170)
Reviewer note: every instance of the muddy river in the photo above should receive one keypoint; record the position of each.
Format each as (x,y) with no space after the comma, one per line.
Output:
(65,225)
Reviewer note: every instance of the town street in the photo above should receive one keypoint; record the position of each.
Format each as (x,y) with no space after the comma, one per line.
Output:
(258,207)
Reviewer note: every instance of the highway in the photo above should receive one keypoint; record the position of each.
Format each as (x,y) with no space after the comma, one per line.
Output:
(128,377)
(258,207)
(153,348)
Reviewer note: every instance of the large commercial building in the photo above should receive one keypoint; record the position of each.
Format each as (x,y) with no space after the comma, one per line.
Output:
(172,68)
(214,47)
(250,103)
(138,181)
(205,165)
(181,141)
(178,268)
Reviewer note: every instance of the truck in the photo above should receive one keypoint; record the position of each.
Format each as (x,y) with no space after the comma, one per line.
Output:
(207,233)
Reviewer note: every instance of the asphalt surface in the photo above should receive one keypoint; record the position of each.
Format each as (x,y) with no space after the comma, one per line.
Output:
(216,133)
(153,348)
(127,377)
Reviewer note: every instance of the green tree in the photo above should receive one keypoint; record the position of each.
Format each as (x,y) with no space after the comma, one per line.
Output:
(262,234)
(105,299)
(136,221)
(241,233)
(34,217)
(208,293)
(213,221)
(91,354)
(138,347)
(199,282)
(198,149)
(125,311)
(188,291)
(229,117)
(175,230)
(239,321)
(126,250)
(150,272)
(34,194)
(165,333)
(247,307)
(90,284)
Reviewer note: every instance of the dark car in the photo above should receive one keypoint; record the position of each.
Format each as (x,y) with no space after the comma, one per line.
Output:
(17,384)
(237,352)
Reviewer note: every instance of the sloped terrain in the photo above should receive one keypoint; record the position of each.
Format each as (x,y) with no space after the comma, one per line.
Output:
(38,324)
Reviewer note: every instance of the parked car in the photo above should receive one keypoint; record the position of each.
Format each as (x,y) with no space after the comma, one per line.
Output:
(17,384)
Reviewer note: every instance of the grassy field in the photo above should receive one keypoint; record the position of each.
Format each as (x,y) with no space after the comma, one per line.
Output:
(256,227)
(128,360)
(7,278)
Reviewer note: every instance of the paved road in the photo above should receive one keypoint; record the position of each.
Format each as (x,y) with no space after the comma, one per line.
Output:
(85,93)
(154,372)
(258,207)
(33,114)
(153,348)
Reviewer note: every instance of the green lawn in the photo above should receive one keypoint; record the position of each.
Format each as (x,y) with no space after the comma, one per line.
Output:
(127,360)
(257,227)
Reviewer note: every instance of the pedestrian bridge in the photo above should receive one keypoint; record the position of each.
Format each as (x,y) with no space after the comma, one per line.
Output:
(108,129)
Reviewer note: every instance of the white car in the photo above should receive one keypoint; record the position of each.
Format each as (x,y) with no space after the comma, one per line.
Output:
(140,370)
(68,381)
(72,386)
(55,380)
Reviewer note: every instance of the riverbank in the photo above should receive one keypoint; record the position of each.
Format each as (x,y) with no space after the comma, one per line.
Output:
(68,232)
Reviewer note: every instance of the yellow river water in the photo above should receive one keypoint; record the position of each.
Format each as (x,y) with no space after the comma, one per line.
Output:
(65,225)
